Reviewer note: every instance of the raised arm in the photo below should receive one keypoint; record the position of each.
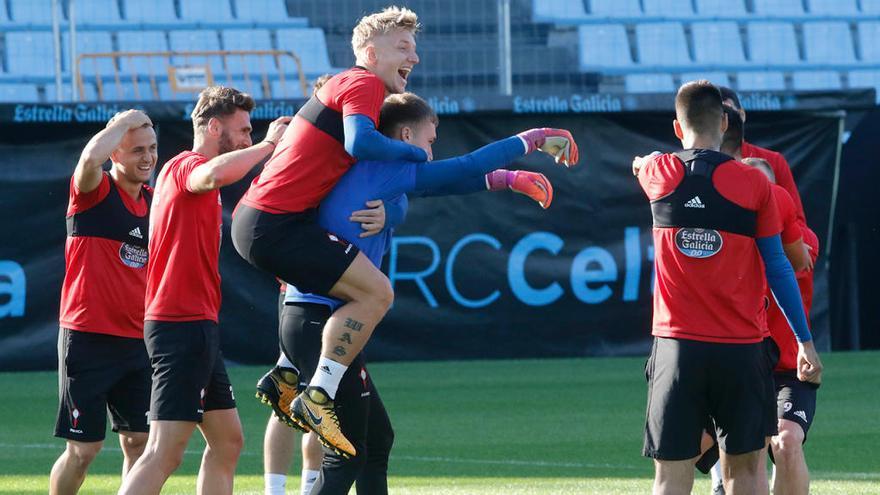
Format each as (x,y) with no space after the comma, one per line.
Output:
(364,142)
(87,175)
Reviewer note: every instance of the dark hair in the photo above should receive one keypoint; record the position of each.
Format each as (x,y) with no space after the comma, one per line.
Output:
(219,101)
(403,109)
(698,106)
(733,136)
(729,94)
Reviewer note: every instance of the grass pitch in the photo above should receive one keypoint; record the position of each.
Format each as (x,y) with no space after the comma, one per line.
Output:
(493,427)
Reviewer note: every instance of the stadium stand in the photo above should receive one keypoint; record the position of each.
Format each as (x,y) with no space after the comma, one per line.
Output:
(828,43)
(717,43)
(778,8)
(720,8)
(206,11)
(662,45)
(96,12)
(615,8)
(834,7)
(89,42)
(772,43)
(27,53)
(18,92)
(768,80)
(869,41)
(31,12)
(816,80)
(152,12)
(142,41)
(649,83)
(603,45)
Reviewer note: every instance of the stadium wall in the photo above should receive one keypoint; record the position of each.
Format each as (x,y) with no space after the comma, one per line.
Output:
(478,276)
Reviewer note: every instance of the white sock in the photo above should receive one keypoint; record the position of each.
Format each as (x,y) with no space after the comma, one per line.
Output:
(284,362)
(716,474)
(328,375)
(309,477)
(275,483)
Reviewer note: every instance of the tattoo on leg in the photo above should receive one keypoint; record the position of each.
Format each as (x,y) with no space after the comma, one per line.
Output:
(339,350)
(353,324)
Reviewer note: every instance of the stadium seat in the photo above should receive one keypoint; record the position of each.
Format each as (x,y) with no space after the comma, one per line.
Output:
(260,10)
(558,11)
(309,45)
(828,43)
(870,6)
(772,43)
(291,89)
(19,93)
(716,78)
(869,41)
(717,43)
(152,12)
(615,8)
(89,92)
(125,91)
(207,11)
(833,7)
(720,8)
(96,12)
(865,79)
(252,86)
(248,39)
(649,83)
(4,14)
(778,8)
(668,8)
(603,45)
(165,94)
(89,42)
(196,40)
(816,80)
(764,80)
(32,12)
(30,53)
(142,41)
(662,45)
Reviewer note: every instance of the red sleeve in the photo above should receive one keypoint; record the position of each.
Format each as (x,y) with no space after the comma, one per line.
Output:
(80,201)
(660,176)
(362,95)
(185,168)
(785,180)
(769,223)
(791,230)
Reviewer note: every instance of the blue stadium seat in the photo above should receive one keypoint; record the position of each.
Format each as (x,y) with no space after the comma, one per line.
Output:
(603,45)
(649,83)
(869,41)
(196,40)
(865,79)
(816,80)
(89,42)
(772,43)
(152,12)
(828,43)
(19,93)
(717,43)
(142,41)
(4,14)
(96,12)
(720,8)
(89,92)
(662,44)
(252,86)
(165,94)
(248,39)
(558,11)
(125,91)
(206,11)
(870,6)
(291,89)
(779,8)
(30,53)
(615,8)
(668,8)
(309,45)
(716,78)
(833,7)
(33,12)
(261,10)
(764,80)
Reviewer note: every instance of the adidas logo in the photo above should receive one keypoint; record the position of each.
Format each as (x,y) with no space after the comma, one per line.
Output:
(801,415)
(695,203)
(325,369)
(136,232)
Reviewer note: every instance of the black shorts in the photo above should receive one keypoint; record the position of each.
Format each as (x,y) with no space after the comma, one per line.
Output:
(690,381)
(98,373)
(292,247)
(189,376)
(795,400)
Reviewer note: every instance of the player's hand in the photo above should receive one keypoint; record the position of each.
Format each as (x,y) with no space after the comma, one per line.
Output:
(557,143)
(808,251)
(131,119)
(640,161)
(532,184)
(277,128)
(372,219)
(809,366)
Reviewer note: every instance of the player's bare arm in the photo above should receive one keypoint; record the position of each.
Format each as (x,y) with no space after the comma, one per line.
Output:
(798,255)
(87,175)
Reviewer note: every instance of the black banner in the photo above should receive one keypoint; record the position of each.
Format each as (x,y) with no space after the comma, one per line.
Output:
(487,275)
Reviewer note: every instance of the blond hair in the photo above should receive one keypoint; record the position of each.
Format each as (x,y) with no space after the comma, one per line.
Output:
(388,20)
(219,101)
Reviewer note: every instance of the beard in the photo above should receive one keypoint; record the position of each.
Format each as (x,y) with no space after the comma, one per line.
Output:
(225,145)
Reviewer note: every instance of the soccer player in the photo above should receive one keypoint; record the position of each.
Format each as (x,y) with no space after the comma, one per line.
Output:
(408,118)
(190,385)
(716,235)
(102,362)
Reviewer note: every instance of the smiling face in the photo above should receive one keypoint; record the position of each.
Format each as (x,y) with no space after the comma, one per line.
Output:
(234,131)
(136,155)
(392,57)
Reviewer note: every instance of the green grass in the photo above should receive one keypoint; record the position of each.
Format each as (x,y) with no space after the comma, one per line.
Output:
(486,427)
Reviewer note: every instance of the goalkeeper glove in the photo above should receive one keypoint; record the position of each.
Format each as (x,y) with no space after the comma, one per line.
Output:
(556,142)
(532,184)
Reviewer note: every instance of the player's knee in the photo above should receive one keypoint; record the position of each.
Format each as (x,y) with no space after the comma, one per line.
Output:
(228,449)
(383,295)
(82,454)
(133,445)
(787,444)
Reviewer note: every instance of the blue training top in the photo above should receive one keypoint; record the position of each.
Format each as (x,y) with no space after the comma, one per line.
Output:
(391,182)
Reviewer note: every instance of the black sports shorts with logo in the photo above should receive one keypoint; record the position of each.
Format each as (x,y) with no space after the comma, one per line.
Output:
(690,381)
(362,415)
(189,377)
(97,374)
(292,247)
(795,400)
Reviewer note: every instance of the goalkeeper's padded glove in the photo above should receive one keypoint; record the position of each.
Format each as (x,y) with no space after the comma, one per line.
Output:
(556,142)
(532,184)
